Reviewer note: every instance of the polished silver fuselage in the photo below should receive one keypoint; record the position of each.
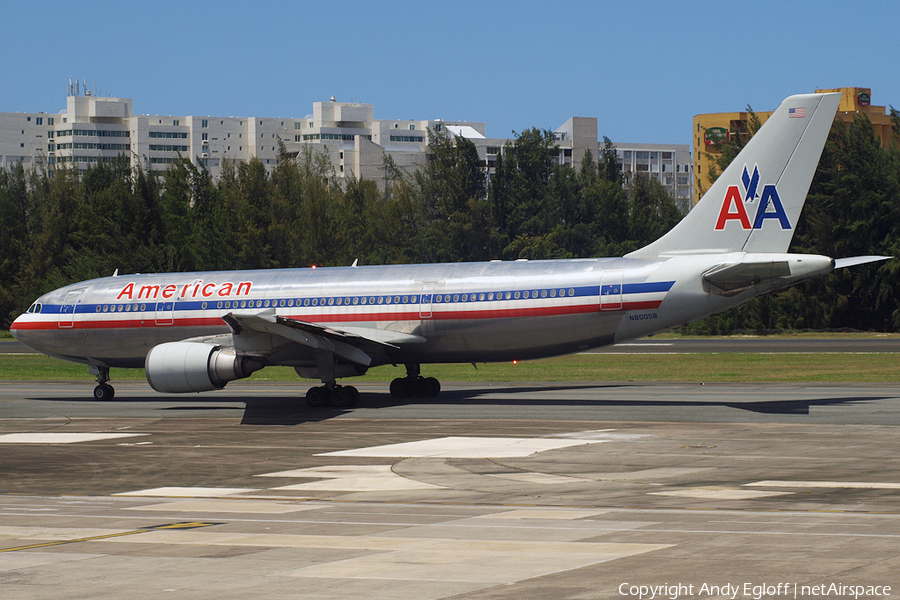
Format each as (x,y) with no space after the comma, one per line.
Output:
(470,312)
(467,312)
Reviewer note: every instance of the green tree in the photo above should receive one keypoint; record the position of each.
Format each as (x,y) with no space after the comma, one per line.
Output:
(452,191)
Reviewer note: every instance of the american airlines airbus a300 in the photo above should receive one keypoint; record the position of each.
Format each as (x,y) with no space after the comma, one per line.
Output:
(194,332)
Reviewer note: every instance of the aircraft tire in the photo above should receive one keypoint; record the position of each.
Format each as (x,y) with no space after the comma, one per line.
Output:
(401,388)
(343,396)
(430,387)
(104,392)
(316,396)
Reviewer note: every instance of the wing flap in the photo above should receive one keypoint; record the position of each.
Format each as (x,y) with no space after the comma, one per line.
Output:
(343,342)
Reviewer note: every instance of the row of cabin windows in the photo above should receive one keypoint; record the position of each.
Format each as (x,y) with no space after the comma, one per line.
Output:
(356,300)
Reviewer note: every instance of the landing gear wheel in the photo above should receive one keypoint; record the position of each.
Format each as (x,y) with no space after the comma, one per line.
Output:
(344,396)
(317,396)
(420,387)
(104,392)
(401,388)
(431,387)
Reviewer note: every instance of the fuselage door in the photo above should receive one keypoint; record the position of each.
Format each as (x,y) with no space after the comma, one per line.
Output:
(165,312)
(67,310)
(425,301)
(611,290)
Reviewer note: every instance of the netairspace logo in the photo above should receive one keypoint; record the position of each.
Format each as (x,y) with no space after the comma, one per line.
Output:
(769,206)
(754,591)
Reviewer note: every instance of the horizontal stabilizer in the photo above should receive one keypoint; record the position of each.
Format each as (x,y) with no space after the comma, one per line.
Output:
(852,261)
(731,279)
(774,271)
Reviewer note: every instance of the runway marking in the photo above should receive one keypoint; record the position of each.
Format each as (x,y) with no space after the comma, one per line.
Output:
(484,562)
(351,478)
(62,438)
(188,525)
(539,478)
(718,493)
(466,447)
(861,485)
(226,506)
(546,513)
(188,492)
(650,474)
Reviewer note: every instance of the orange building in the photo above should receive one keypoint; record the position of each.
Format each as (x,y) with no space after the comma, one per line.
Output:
(708,128)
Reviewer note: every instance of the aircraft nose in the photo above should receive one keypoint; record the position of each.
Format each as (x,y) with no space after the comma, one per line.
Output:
(14,328)
(20,330)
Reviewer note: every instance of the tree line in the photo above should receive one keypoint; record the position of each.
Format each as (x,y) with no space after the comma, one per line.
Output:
(57,227)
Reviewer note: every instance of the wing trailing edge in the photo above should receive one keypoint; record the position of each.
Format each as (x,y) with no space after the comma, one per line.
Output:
(342,342)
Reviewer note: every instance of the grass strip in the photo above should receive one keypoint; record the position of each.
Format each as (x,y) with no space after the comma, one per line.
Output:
(725,367)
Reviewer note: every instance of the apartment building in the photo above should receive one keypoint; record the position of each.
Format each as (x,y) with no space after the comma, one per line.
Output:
(94,128)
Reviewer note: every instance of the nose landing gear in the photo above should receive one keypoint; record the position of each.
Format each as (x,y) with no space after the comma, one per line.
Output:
(103,391)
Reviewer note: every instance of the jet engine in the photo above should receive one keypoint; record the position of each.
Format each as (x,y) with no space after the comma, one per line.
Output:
(179,367)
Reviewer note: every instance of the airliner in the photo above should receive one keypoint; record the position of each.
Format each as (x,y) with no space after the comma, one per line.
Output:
(195,332)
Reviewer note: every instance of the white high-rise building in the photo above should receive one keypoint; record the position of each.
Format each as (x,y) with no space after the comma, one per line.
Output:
(92,129)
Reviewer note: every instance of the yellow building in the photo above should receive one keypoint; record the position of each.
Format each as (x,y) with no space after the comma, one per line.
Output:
(708,128)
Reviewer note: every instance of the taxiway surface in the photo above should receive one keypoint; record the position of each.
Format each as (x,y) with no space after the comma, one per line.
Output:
(493,491)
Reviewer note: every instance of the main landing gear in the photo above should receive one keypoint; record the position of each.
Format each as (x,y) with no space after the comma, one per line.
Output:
(414,385)
(338,396)
(103,391)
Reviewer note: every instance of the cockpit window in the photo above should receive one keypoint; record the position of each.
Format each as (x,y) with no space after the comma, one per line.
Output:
(35,308)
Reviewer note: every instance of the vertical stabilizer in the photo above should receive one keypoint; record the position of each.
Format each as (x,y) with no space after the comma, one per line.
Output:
(754,205)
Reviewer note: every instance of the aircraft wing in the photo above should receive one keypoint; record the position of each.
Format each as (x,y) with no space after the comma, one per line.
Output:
(346,342)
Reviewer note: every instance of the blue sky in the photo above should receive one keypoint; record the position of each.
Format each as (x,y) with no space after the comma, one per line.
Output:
(644,69)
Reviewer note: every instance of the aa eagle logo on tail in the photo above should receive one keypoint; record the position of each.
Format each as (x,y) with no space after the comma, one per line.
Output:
(769,206)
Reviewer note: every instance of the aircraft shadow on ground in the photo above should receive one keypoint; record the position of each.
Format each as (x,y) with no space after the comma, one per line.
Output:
(281,410)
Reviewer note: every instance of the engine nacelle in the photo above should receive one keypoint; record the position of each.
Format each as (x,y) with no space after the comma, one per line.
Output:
(180,367)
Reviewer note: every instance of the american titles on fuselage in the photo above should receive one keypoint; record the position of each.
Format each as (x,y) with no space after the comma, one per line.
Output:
(194,289)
